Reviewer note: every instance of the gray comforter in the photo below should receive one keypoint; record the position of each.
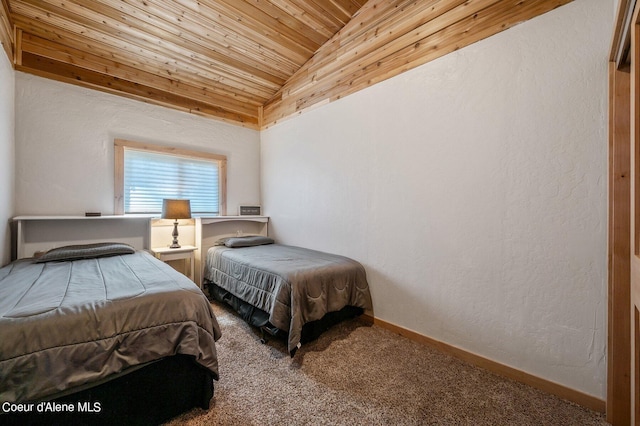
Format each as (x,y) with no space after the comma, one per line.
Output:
(66,324)
(293,285)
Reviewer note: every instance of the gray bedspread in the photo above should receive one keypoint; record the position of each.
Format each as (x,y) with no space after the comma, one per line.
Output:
(293,285)
(66,324)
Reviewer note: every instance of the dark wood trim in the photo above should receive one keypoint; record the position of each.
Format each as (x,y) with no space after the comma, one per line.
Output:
(621,40)
(619,288)
(635,212)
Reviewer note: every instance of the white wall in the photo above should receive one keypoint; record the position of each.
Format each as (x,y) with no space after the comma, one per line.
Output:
(64,146)
(473,189)
(7,158)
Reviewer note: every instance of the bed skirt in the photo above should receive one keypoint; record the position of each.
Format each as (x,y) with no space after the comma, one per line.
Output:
(147,396)
(260,319)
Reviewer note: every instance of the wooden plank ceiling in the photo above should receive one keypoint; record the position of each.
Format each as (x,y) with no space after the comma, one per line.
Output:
(250,62)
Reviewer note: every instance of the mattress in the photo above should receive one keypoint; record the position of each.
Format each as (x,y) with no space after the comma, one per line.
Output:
(294,285)
(65,325)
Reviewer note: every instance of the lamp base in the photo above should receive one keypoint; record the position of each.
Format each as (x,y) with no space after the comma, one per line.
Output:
(174,234)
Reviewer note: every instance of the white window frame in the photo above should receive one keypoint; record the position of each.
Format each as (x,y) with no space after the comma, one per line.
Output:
(120,145)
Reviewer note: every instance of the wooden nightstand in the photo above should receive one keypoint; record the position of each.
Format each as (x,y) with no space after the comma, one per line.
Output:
(186,253)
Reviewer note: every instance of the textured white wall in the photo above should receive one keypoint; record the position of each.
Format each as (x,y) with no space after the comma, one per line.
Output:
(7,158)
(64,146)
(473,189)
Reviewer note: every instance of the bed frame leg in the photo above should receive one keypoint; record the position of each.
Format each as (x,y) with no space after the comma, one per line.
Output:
(263,338)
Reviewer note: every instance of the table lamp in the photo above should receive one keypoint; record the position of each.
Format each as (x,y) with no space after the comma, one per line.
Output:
(176,209)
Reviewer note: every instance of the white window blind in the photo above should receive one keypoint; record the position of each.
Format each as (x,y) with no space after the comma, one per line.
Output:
(150,176)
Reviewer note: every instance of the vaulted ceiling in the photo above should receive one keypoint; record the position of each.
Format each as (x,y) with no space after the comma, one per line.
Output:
(250,62)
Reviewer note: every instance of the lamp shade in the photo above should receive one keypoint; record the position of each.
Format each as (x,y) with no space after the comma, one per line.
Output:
(176,209)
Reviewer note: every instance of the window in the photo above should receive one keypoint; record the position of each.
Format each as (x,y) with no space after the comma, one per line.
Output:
(145,174)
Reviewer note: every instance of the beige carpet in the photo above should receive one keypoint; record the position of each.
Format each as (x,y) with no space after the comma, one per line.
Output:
(357,374)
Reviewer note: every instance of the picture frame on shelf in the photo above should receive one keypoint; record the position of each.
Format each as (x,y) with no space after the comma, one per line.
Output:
(249,210)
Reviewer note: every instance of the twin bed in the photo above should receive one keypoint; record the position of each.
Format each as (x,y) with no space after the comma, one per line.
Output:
(103,334)
(284,289)
(113,335)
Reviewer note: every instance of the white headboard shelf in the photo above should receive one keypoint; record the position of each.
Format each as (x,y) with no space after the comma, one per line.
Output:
(211,229)
(40,233)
